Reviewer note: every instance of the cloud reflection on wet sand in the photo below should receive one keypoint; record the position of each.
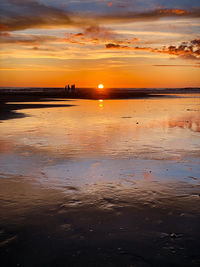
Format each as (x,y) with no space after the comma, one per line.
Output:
(89,183)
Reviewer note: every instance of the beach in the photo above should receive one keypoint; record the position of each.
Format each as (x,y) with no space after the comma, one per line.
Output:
(100,179)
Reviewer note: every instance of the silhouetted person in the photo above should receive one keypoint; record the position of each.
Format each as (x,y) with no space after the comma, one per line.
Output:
(73,87)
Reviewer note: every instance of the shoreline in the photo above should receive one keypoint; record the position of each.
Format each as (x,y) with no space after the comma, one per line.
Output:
(8,110)
(94,93)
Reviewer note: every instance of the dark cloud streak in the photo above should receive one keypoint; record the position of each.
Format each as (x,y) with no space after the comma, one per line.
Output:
(10,38)
(148,16)
(20,15)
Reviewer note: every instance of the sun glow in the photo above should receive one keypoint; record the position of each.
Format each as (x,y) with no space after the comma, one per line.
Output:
(100,86)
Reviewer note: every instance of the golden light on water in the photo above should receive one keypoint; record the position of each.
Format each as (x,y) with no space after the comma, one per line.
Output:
(100,86)
(101,103)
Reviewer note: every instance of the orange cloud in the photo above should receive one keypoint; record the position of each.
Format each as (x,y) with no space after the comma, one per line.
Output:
(117,46)
(91,35)
(134,40)
(172,11)
(80,34)
(98,32)
(187,50)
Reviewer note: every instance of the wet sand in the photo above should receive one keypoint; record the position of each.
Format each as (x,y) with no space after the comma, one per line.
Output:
(100,183)
(9,104)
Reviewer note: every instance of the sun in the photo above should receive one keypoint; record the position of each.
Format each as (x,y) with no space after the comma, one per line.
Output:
(100,86)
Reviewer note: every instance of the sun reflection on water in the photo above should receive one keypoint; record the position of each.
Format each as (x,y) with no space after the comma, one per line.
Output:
(101,103)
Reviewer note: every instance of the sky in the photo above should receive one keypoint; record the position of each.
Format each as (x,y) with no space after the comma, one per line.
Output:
(120,43)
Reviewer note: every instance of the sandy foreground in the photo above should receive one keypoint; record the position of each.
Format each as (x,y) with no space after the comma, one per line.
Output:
(96,182)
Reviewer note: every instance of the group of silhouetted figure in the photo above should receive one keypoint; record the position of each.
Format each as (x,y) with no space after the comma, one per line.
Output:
(70,89)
